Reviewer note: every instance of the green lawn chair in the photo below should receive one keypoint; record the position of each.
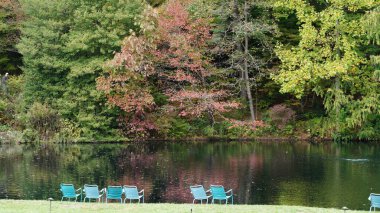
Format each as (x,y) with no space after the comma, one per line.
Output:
(114,193)
(92,192)
(375,201)
(68,191)
(199,193)
(218,193)
(131,193)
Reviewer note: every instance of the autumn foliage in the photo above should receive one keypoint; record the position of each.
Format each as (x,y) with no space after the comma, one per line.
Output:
(168,55)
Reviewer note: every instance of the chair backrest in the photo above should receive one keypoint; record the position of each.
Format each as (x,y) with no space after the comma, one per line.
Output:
(114,192)
(131,192)
(217,191)
(91,191)
(67,190)
(198,192)
(375,200)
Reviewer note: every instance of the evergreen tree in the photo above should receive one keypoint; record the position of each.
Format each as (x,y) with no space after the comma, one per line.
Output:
(65,44)
(10,18)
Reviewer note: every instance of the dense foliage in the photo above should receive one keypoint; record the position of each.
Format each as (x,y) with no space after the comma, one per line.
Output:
(102,70)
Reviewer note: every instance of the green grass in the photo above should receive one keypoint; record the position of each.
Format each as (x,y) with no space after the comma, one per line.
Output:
(20,206)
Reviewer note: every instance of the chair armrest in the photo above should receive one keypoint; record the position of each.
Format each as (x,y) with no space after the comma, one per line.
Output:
(142,191)
(229,191)
(208,190)
(78,189)
(103,191)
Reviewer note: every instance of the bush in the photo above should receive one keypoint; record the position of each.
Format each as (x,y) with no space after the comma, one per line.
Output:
(179,128)
(281,115)
(69,132)
(43,120)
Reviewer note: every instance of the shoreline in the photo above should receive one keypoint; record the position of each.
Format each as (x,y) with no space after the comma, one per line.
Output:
(192,139)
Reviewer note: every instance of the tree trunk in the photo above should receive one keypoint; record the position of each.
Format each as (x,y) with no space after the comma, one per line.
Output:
(246,77)
(337,78)
(243,92)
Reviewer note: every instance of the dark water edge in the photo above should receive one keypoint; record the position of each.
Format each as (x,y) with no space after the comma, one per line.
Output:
(279,173)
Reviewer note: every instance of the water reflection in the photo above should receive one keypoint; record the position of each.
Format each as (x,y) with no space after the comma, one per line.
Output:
(329,175)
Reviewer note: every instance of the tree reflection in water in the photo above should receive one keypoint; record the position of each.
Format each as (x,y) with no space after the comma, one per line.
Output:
(259,173)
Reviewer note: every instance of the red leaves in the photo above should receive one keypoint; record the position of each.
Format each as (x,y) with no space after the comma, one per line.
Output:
(252,125)
(183,43)
(169,57)
(193,103)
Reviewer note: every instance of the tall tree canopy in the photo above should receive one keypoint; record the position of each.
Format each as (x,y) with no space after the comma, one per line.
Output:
(10,20)
(329,61)
(168,56)
(64,46)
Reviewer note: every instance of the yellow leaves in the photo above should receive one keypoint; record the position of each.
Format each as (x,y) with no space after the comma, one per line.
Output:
(309,36)
(354,5)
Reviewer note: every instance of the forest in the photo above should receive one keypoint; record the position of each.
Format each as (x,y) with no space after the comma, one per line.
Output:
(115,70)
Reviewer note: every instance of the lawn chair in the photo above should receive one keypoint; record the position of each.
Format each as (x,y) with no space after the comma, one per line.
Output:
(92,192)
(68,191)
(114,193)
(131,193)
(375,201)
(199,193)
(218,193)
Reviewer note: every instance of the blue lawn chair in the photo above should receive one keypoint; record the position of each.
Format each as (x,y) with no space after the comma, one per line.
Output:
(114,193)
(218,193)
(199,193)
(375,201)
(68,191)
(92,192)
(131,193)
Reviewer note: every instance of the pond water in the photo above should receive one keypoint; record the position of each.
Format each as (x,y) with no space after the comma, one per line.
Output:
(325,175)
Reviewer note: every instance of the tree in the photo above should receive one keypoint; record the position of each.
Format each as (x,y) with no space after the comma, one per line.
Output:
(329,62)
(126,83)
(244,39)
(65,45)
(10,19)
(184,68)
(168,54)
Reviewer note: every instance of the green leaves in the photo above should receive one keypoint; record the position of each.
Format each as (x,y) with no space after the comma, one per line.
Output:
(65,45)
(328,60)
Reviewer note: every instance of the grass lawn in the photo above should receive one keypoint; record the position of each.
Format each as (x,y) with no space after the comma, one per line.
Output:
(30,206)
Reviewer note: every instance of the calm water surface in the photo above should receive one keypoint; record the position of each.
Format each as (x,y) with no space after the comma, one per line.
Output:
(329,175)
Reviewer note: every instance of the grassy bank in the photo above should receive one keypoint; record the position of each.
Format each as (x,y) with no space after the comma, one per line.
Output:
(20,206)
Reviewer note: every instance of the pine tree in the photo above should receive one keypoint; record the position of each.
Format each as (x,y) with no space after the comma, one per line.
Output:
(65,45)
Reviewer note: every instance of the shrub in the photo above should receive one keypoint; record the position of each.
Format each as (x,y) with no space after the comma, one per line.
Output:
(44,120)
(179,128)
(281,115)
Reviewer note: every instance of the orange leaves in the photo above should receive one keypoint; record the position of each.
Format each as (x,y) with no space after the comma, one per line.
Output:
(171,59)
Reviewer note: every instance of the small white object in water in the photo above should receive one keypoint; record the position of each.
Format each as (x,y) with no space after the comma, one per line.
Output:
(356,160)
